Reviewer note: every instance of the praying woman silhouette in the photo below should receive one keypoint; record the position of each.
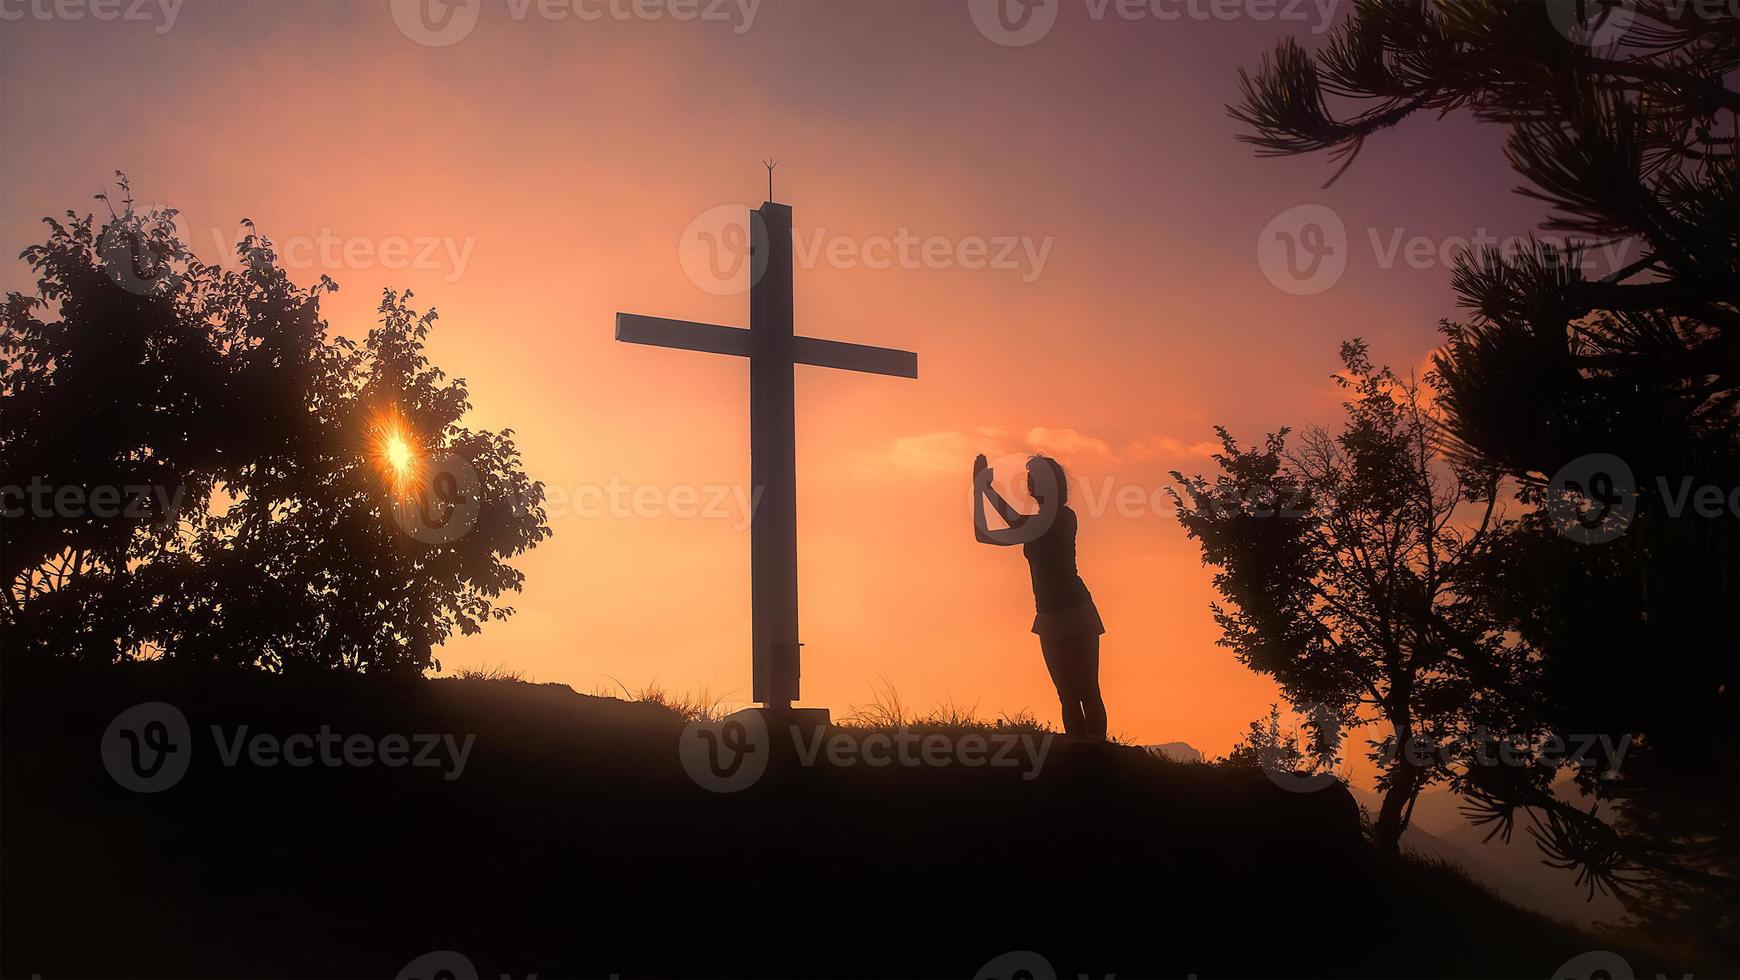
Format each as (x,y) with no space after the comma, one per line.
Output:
(1067,623)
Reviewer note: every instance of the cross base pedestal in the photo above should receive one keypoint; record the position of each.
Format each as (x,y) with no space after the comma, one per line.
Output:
(789,736)
(781,719)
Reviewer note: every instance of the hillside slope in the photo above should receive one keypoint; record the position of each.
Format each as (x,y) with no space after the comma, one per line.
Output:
(573,842)
(1514,869)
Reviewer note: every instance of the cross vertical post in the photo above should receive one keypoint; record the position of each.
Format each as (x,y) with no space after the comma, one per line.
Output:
(773,350)
(772,462)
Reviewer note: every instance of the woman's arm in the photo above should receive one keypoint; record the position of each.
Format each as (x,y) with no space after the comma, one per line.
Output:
(982,489)
(1010,515)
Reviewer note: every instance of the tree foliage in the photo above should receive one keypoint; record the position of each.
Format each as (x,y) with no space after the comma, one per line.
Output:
(1288,751)
(1343,560)
(1622,121)
(272,531)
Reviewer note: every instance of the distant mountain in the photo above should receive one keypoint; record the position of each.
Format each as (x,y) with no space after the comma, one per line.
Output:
(1514,870)
(1176,751)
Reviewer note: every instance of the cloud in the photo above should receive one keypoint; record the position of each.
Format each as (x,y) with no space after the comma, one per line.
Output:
(1169,448)
(1067,443)
(947,452)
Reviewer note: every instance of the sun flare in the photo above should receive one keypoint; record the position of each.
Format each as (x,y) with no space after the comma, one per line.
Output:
(395,451)
(398,455)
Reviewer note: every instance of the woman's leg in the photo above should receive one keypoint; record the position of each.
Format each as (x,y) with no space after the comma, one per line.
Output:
(1058,662)
(1084,656)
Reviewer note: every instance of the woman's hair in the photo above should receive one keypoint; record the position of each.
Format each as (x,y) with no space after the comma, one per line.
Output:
(1061,478)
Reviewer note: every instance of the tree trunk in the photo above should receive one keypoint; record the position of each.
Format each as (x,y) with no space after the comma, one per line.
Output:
(1392,818)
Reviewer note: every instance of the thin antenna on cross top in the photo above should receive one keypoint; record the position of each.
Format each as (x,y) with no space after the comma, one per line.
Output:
(770,163)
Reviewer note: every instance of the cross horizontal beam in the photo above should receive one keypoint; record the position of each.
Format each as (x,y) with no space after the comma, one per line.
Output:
(854,357)
(683,334)
(713,339)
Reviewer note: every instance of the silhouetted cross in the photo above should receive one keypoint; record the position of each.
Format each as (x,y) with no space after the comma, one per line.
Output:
(772,350)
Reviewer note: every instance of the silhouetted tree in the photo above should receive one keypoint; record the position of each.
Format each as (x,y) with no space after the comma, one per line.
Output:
(308,501)
(1267,745)
(1342,562)
(1622,120)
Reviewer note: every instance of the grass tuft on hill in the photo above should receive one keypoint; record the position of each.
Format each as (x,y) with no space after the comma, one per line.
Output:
(574,842)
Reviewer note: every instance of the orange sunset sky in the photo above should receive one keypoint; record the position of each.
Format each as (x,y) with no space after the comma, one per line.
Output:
(538,175)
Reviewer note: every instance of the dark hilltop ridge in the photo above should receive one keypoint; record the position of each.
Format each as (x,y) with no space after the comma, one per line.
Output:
(526,829)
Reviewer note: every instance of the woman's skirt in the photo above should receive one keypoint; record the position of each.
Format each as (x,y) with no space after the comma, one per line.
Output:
(1073,621)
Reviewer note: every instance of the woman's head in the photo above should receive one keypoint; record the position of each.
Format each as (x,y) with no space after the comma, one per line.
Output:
(1045,479)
